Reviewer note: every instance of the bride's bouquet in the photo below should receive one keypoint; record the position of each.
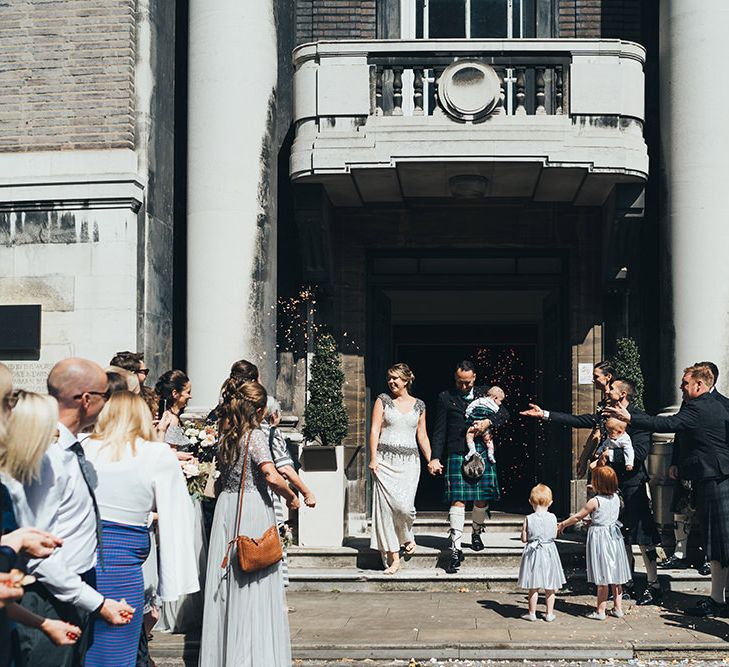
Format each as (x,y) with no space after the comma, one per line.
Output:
(200,472)
(203,438)
(198,475)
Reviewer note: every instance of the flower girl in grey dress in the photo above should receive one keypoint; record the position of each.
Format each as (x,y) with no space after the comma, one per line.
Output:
(540,565)
(607,561)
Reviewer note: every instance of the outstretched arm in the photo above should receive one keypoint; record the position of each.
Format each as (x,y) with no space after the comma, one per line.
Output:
(562,418)
(589,507)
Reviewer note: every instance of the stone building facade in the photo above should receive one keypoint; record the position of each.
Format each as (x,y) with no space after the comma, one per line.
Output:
(440,177)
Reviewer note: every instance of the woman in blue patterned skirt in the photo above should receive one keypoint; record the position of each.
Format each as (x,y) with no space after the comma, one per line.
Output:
(135,477)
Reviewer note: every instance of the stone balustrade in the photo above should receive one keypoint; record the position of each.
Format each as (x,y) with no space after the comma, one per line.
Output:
(374,105)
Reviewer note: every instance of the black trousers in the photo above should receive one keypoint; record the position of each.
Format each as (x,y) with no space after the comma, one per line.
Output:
(34,648)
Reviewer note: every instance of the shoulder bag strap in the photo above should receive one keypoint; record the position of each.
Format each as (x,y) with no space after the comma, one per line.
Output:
(241,493)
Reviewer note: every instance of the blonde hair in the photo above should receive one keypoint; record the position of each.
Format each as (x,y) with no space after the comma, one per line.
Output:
(129,377)
(541,496)
(702,373)
(30,429)
(6,386)
(612,422)
(403,372)
(496,392)
(123,420)
(6,381)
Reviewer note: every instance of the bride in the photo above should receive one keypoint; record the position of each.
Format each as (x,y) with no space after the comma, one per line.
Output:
(398,427)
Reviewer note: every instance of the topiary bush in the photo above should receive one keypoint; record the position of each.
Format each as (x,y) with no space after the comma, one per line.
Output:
(627,364)
(325,415)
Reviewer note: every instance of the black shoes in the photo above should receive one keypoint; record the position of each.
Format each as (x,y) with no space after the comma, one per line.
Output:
(651,595)
(704,569)
(476,542)
(674,563)
(707,608)
(454,561)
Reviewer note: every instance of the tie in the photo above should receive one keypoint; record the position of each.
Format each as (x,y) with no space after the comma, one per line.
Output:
(77,449)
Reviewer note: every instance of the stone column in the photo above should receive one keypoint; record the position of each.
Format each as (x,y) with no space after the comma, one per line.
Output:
(695,143)
(231,174)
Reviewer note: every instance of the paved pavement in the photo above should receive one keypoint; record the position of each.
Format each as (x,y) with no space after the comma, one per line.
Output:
(327,627)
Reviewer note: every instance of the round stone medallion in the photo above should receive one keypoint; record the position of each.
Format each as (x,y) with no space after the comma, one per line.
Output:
(468,89)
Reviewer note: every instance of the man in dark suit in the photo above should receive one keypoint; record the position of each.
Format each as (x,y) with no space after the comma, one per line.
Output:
(703,426)
(449,444)
(636,516)
(683,505)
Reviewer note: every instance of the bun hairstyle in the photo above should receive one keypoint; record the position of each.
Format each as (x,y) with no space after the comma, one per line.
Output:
(244,370)
(606,368)
(403,372)
(240,411)
(169,382)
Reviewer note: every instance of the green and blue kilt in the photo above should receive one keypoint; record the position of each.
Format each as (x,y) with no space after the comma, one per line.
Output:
(457,487)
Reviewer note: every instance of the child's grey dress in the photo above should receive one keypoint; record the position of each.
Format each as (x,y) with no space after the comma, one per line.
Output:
(607,561)
(540,564)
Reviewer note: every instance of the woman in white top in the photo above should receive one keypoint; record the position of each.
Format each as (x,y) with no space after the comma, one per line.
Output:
(135,476)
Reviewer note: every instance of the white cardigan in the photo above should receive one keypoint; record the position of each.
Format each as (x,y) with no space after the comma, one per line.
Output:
(150,481)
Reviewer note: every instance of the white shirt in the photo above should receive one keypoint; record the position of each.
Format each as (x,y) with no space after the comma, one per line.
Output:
(149,479)
(622,442)
(59,502)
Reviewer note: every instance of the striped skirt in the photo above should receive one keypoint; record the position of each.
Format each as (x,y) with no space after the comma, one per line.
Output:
(125,548)
(279,513)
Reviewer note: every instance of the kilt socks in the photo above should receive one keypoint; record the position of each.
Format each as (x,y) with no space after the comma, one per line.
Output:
(457,520)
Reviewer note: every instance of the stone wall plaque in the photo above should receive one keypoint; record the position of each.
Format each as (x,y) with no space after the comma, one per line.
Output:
(29,375)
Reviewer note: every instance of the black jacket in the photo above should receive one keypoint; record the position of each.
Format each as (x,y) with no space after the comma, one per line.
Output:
(702,425)
(676,458)
(639,435)
(449,433)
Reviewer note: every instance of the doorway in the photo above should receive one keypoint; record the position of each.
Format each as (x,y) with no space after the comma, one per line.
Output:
(503,355)
(507,313)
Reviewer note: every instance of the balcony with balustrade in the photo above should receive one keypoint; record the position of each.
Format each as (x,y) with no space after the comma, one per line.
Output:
(387,121)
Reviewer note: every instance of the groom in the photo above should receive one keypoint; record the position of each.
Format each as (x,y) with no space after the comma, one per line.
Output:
(449,441)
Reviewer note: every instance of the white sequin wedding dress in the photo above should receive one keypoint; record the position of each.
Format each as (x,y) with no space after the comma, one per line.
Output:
(394,486)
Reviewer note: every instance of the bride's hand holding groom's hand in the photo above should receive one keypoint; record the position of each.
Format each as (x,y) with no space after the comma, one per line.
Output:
(435,467)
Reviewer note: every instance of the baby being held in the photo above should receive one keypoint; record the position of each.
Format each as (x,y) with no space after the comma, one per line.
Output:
(617,438)
(477,410)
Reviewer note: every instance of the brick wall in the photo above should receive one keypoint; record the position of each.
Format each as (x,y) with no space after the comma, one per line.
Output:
(579,18)
(67,74)
(335,19)
(599,19)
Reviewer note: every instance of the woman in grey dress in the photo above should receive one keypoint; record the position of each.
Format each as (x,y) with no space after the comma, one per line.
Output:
(398,427)
(245,622)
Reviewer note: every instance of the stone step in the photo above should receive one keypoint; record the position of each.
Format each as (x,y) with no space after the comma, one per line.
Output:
(501,550)
(499,579)
(437,523)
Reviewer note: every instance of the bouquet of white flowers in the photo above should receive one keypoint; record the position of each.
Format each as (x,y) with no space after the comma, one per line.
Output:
(197,474)
(200,470)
